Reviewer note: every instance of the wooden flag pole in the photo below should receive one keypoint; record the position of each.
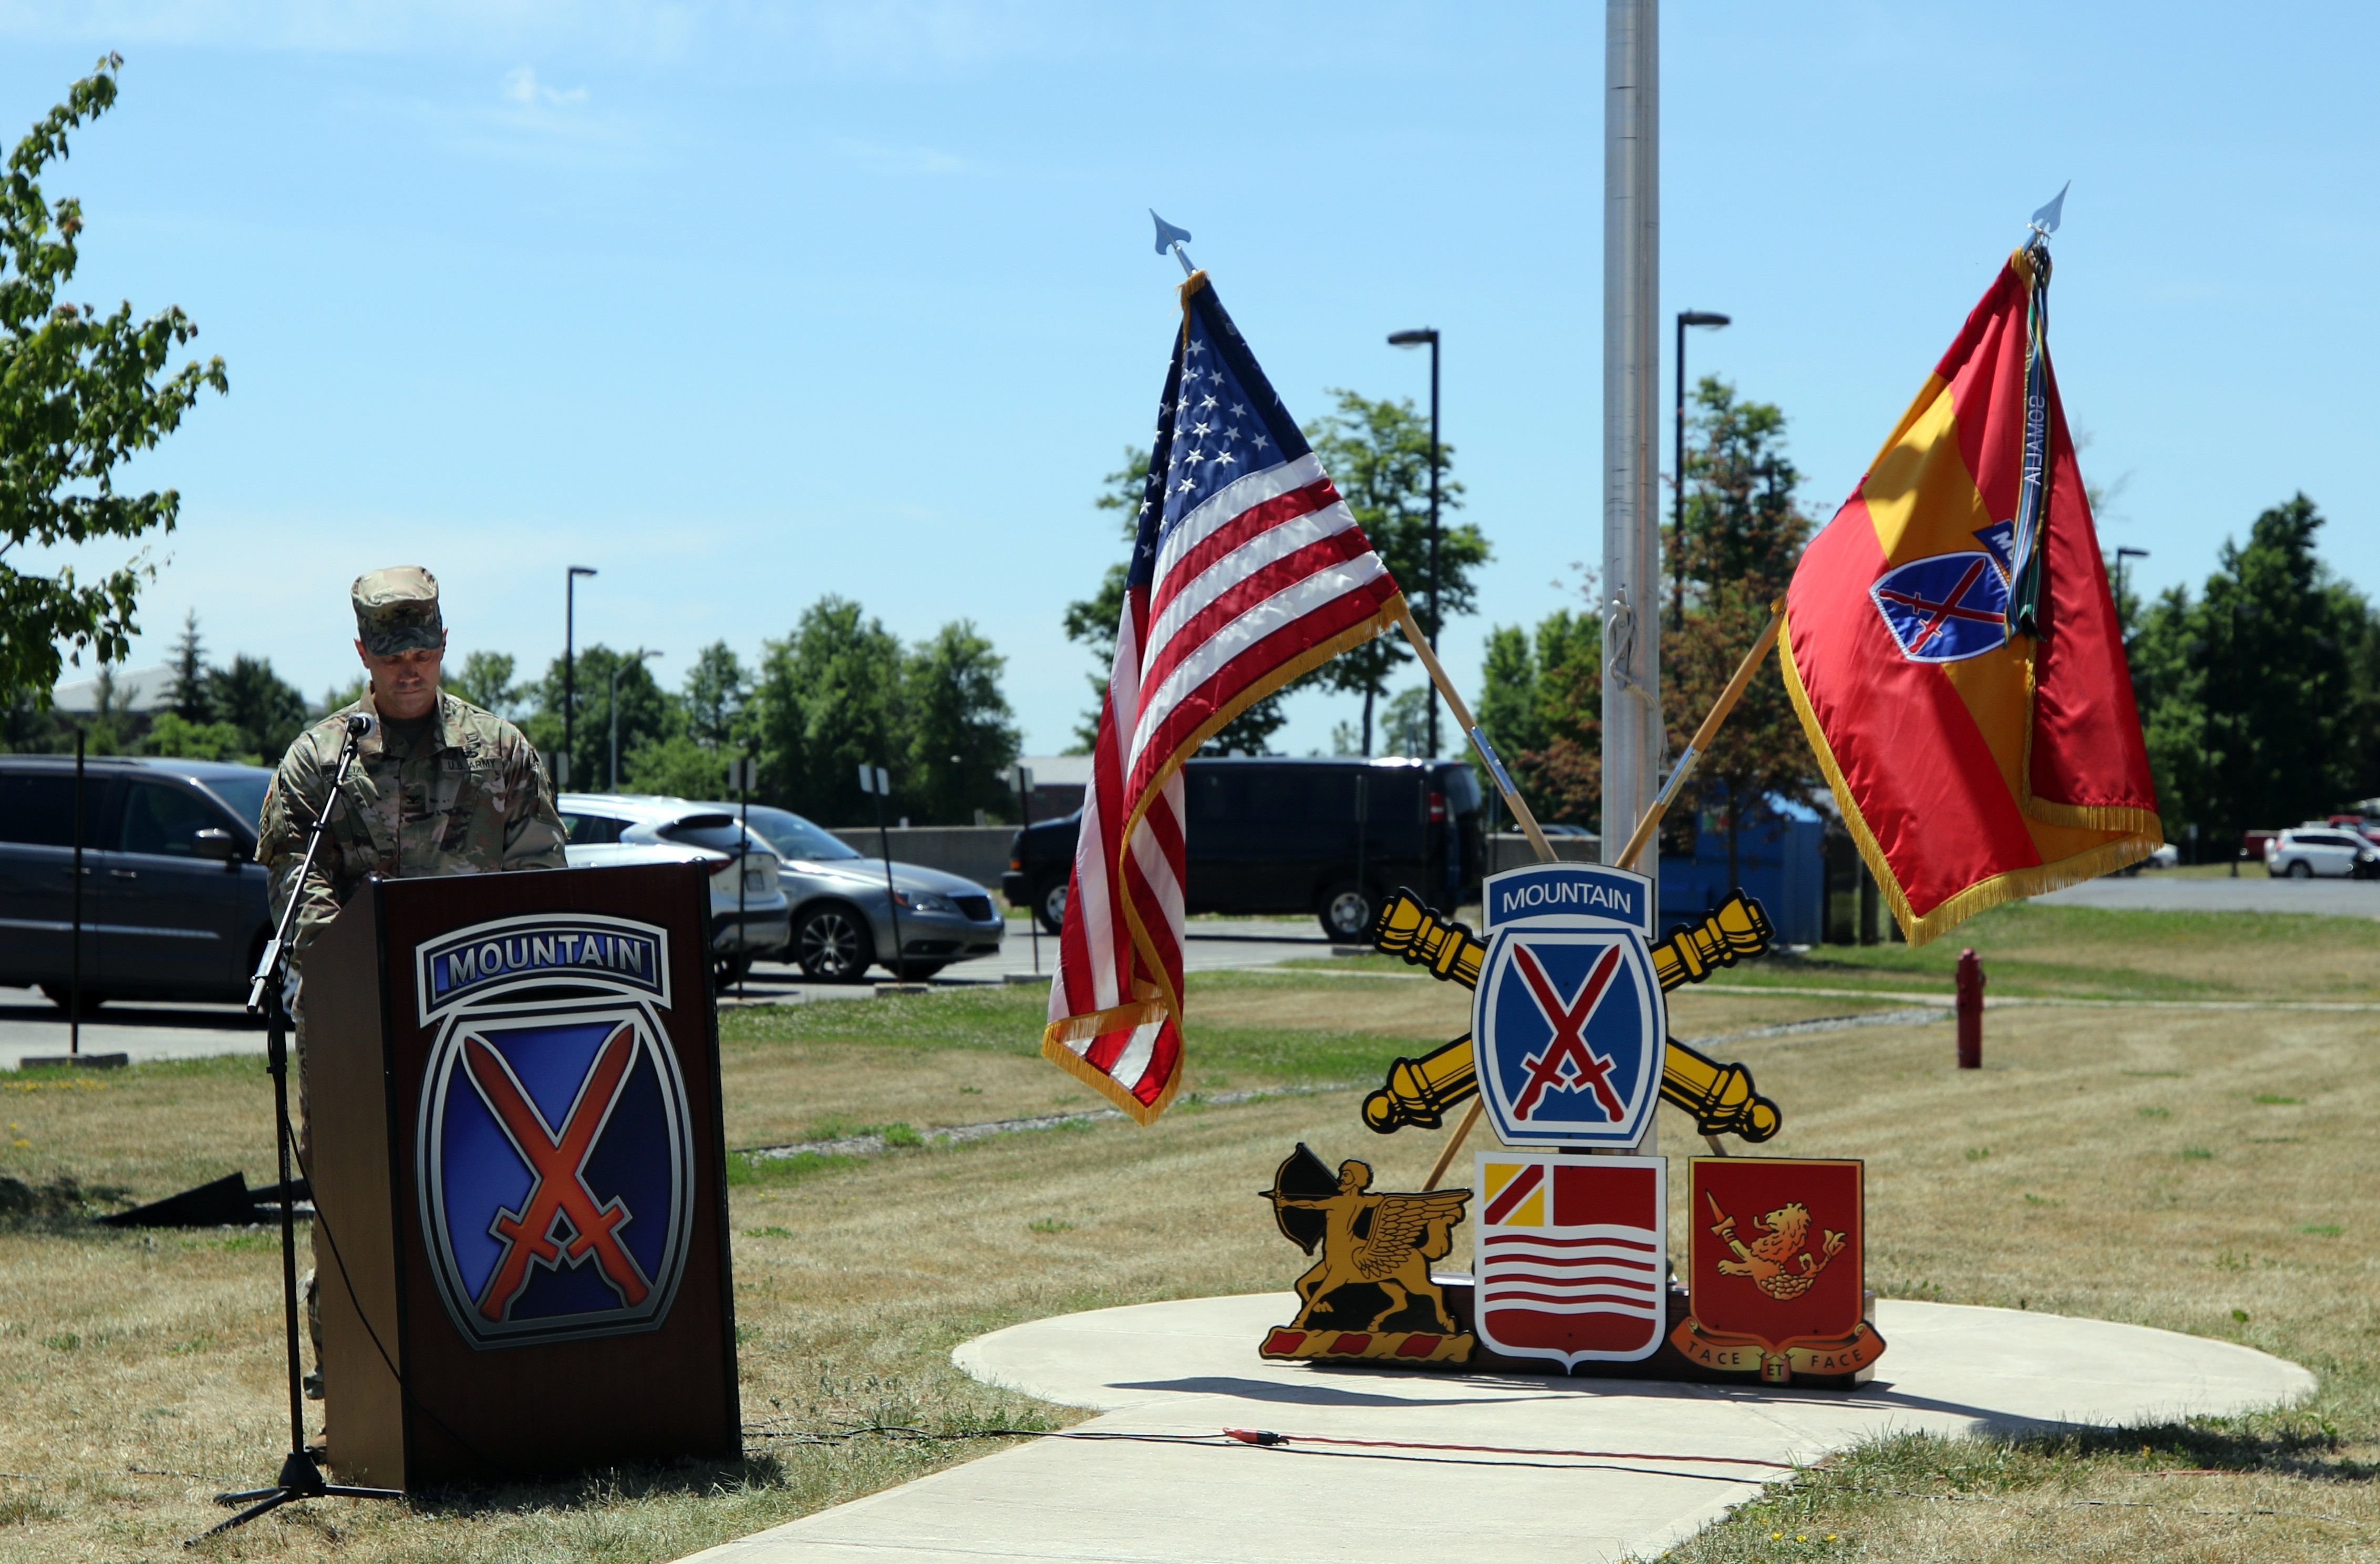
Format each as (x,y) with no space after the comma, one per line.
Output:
(1528,821)
(1702,736)
(1719,712)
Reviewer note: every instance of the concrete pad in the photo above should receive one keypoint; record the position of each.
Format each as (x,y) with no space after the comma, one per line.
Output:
(1587,1468)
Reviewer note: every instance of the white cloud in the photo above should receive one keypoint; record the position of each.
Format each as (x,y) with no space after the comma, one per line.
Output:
(521,85)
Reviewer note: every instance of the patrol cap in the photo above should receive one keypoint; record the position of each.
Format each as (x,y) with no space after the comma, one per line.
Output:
(397,610)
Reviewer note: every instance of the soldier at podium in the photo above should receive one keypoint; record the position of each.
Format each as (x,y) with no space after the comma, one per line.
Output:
(439,787)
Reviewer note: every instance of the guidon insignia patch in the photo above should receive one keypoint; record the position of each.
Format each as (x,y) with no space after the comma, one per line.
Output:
(1948,608)
(1568,1022)
(555,1155)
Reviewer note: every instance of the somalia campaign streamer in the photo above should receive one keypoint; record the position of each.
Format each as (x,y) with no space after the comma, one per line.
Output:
(1952,648)
(1248,570)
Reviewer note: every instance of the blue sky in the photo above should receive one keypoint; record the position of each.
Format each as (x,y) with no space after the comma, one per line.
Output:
(743,304)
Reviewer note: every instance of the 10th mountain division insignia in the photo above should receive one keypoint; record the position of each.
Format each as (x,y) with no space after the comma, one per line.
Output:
(555,1157)
(1568,1021)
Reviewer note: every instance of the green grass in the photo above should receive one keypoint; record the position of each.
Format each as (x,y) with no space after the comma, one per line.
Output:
(1008,1020)
(2088,952)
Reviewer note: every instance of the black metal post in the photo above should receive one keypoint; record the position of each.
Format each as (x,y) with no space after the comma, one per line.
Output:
(74,960)
(1025,827)
(743,859)
(892,892)
(1362,818)
(570,670)
(1678,480)
(1414,339)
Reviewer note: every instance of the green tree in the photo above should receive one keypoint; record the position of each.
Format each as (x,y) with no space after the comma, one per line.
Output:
(962,737)
(1744,535)
(486,680)
(170,733)
(190,702)
(679,767)
(1092,622)
(81,392)
(251,697)
(645,714)
(830,697)
(1541,706)
(2256,698)
(716,689)
(1404,722)
(1378,454)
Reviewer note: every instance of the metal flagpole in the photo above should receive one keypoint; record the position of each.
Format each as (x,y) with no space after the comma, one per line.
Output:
(1632,217)
(1632,374)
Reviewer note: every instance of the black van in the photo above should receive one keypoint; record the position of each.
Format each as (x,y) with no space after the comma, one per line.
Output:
(1273,833)
(173,904)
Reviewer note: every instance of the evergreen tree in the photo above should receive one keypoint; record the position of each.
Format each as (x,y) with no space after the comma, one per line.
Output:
(268,712)
(190,695)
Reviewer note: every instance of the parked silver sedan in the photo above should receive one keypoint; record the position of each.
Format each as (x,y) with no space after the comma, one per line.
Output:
(748,906)
(842,918)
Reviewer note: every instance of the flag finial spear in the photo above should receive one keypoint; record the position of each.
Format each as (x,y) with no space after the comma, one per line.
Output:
(2043,224)
(1171,238)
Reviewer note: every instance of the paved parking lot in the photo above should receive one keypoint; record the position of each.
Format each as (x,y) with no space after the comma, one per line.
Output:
(31,1025)
(2253,891)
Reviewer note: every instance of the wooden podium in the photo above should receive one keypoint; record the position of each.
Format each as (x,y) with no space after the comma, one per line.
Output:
(522,1241)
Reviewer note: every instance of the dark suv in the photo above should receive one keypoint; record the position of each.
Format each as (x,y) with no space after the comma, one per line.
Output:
(173,901)
(1273,834)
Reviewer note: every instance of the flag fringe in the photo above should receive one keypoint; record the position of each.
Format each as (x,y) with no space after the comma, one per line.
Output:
(2144,834)
(1089,1074)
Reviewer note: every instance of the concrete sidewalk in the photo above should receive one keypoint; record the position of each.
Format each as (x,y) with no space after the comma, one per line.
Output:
(1588,1468)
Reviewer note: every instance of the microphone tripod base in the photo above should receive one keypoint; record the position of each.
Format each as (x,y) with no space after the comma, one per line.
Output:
(300,1479)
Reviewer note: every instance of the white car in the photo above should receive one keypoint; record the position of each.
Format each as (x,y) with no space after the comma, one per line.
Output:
(2320,849)
(748,913)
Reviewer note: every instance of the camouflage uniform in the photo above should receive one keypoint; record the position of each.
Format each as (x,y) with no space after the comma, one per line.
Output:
(470,798)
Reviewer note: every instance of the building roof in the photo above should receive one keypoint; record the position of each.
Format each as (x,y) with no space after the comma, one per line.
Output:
(138,689)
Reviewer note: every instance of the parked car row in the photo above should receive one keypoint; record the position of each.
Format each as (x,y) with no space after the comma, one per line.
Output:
(806,896)
(174,903)
(2320,848)
(1324,837)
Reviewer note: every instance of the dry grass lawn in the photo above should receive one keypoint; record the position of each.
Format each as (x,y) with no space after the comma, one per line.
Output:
(2209,1171)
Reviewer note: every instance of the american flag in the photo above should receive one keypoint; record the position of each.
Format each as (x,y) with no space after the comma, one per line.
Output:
(1248,570)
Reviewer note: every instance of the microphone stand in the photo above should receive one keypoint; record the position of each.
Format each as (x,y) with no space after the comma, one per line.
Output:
(301,1477)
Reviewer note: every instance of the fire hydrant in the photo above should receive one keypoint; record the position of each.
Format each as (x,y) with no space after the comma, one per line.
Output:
(1970,1010)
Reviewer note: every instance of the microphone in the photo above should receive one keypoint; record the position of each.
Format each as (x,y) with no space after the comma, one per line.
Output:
(359,724)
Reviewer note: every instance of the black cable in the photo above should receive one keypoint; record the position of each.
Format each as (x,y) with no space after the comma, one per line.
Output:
(323,1226)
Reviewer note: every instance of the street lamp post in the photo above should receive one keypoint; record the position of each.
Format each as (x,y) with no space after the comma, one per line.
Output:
(1678,482)
(569,669)
(2122,555)
(638,655)
(1414,339)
